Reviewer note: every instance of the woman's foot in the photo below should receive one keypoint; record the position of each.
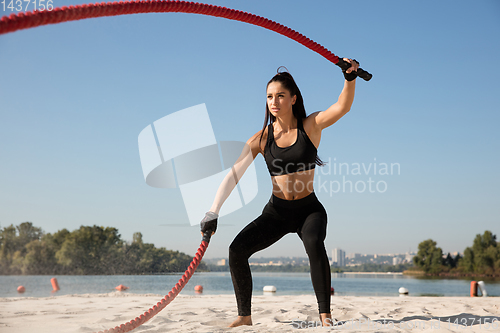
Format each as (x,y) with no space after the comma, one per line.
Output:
(326,319)
(242,320)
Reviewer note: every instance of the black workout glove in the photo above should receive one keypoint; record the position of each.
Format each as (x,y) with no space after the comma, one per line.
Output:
(349,76)
(209,223)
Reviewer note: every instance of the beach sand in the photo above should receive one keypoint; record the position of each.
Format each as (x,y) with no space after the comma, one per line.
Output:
(212,313)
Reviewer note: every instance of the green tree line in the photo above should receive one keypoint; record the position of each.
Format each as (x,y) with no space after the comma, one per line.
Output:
(482,258)
(26,249)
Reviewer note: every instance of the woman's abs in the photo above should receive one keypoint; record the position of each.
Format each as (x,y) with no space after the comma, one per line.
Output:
(293,186)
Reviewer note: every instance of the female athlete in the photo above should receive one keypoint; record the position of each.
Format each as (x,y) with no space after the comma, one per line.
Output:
(289,145)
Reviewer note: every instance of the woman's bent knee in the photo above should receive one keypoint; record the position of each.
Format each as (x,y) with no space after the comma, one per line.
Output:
(237,252)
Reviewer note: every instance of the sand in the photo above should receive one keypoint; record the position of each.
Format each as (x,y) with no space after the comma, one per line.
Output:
(212,313)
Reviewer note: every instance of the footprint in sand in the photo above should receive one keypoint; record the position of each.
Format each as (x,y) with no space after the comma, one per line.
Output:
(216,323)
(393,312)
(265,312)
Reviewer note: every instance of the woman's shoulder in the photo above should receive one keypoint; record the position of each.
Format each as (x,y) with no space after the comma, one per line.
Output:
(258,140)
(311,128)
(310,121)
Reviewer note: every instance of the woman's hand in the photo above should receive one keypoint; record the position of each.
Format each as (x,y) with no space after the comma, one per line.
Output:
(350,73)
(209,223)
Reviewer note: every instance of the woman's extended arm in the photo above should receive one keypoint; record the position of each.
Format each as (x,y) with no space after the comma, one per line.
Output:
(252,148)
(250,151)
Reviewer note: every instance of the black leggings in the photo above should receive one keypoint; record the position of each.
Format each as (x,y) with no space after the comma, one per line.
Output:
(306,217)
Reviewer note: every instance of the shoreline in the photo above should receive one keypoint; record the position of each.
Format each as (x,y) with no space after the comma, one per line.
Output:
(373,273)
(196,272)
(212,313)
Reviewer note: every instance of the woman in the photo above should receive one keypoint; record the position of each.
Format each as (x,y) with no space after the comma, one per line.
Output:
(289,146)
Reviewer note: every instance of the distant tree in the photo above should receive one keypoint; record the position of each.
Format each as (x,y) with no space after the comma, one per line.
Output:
(58,238)
(13,241)
(90,250)
(466,265)
(8,246)
(25,249)
(41,254)
(449,261)
(458,258)
(429,257)
(39,259)
(27,233)
(137,238)
(484,248)
(140,257)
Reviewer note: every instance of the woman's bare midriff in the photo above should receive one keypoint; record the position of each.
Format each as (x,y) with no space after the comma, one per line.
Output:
(293,186)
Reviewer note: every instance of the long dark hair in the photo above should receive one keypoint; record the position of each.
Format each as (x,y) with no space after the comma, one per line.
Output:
(298,109)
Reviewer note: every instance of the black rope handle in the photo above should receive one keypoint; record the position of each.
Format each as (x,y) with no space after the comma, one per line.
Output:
(344,65)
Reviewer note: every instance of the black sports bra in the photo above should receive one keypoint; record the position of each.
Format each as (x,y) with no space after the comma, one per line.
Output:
(300,156)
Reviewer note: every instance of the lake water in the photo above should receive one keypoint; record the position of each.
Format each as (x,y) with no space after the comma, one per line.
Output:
(220,283)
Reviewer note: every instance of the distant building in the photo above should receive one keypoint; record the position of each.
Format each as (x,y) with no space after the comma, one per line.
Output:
(338,257)
(409,257)
(353,255)
(270,263)
(221,262)
(396,261)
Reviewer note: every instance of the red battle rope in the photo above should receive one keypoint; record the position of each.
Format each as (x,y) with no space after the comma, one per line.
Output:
(72,13)
(153,311)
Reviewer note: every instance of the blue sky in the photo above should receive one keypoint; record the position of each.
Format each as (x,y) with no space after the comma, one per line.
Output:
(75,96)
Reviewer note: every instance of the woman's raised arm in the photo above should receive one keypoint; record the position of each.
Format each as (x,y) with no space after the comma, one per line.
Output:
(324,119)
